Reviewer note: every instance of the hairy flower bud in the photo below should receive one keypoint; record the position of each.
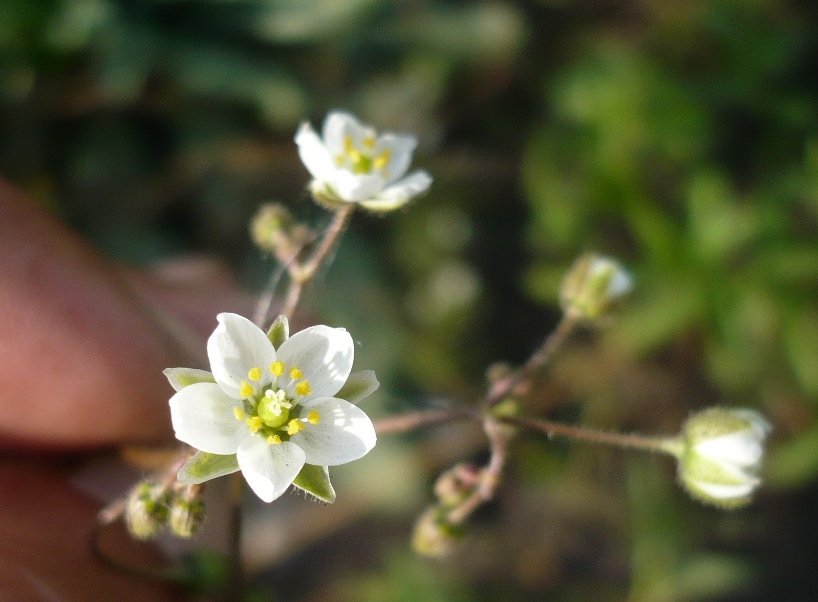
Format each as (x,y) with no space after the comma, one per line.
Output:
(721,455)
(275,231)
(456,484)
(186,510)
(592,287)
(433,535)
(146,510)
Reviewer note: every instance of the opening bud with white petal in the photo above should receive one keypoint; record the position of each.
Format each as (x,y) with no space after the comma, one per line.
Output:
(433,535)
(720,455)
(593,285)
(187,510)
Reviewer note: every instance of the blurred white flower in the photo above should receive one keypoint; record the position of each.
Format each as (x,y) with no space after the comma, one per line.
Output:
(351,163)
(721,455)
(273,408)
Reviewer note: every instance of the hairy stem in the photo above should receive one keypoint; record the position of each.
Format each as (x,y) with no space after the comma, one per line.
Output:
(415,420)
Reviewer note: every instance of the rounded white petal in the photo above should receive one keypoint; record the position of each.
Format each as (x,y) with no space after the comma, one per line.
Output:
(344,433)
(323,354)
(313,153)
(399,194)
(354,187)
(725,492)
(400,148)
(337,126)
(741,449)
(269,469)
(202,416)
(236,346)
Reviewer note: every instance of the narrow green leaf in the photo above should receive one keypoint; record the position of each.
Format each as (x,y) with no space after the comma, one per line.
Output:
(279,331)
(204,466)
(315,481)
(359,385)
(180,378)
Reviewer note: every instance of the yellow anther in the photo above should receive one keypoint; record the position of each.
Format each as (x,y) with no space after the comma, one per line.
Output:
(294,426)
(348,148)
(339,160)
(382,160)
(254,423)
(246,390)
(314,417)
(273,439)
(254,374)
(239,413)
(369,142)
(295,374)
(277,368)
(303,388)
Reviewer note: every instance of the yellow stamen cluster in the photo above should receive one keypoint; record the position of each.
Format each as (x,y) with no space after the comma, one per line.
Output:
(363,162)
(295,373)
(239,413)
(314,417)
(254,424)
(273,439)
(294,426)
(254,374)
(246,389)
(277,368)
(303,388)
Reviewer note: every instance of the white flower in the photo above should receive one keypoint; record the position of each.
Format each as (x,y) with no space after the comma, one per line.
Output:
(353,164)
(273,408)
(722,454)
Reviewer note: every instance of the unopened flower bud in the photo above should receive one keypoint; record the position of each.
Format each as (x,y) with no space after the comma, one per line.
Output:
(433,536)
(592,287)
(275,230)
(146,510)
(456,484)
(721,453)
(186,511)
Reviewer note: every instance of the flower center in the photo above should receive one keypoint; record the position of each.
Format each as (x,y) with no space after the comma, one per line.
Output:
(360,161)
(267,410)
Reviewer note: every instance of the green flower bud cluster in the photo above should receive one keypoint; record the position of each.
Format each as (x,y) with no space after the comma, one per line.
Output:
(150,507)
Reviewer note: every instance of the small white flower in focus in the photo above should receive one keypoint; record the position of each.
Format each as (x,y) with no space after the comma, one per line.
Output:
(351,163)
(273,408)
(593,285)
(721,455)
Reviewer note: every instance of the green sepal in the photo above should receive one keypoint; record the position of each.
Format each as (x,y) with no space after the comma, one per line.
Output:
(315,481)
(204,466)
(179,378)
(359,385)
(279,331)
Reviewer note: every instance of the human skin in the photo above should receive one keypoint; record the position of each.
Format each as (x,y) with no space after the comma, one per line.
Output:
(83,343)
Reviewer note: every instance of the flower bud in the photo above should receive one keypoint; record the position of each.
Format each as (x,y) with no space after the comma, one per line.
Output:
(186,511)
(275,230)
(456,484)
(592,286)
(146,510)
(721,455)
(433,536)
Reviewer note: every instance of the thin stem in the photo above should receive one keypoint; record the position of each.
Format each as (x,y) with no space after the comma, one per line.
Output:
(580,433)
(536,362)
(266,298)
(236,589)
(490,476)
(301,275)
(415,420)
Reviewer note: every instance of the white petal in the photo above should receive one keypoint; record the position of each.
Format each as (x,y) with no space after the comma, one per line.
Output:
(354,187)
(739,449)
(398,194)
(345,433)
(401,148)
(323,354)
(313,153)
(236,346)
(726,492)
(269,469)
(202,416)
(337,126)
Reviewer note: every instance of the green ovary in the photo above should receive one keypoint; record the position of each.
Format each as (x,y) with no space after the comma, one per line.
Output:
(272,413)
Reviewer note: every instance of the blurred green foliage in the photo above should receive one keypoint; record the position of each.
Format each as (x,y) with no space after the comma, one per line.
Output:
(681,137)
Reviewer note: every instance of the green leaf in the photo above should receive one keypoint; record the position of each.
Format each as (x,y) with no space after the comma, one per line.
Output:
(279,331)
(359,385)
(204,466)
(180,378)
(315,481)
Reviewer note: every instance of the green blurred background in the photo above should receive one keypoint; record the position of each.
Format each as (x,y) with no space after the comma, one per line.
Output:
(679,136)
